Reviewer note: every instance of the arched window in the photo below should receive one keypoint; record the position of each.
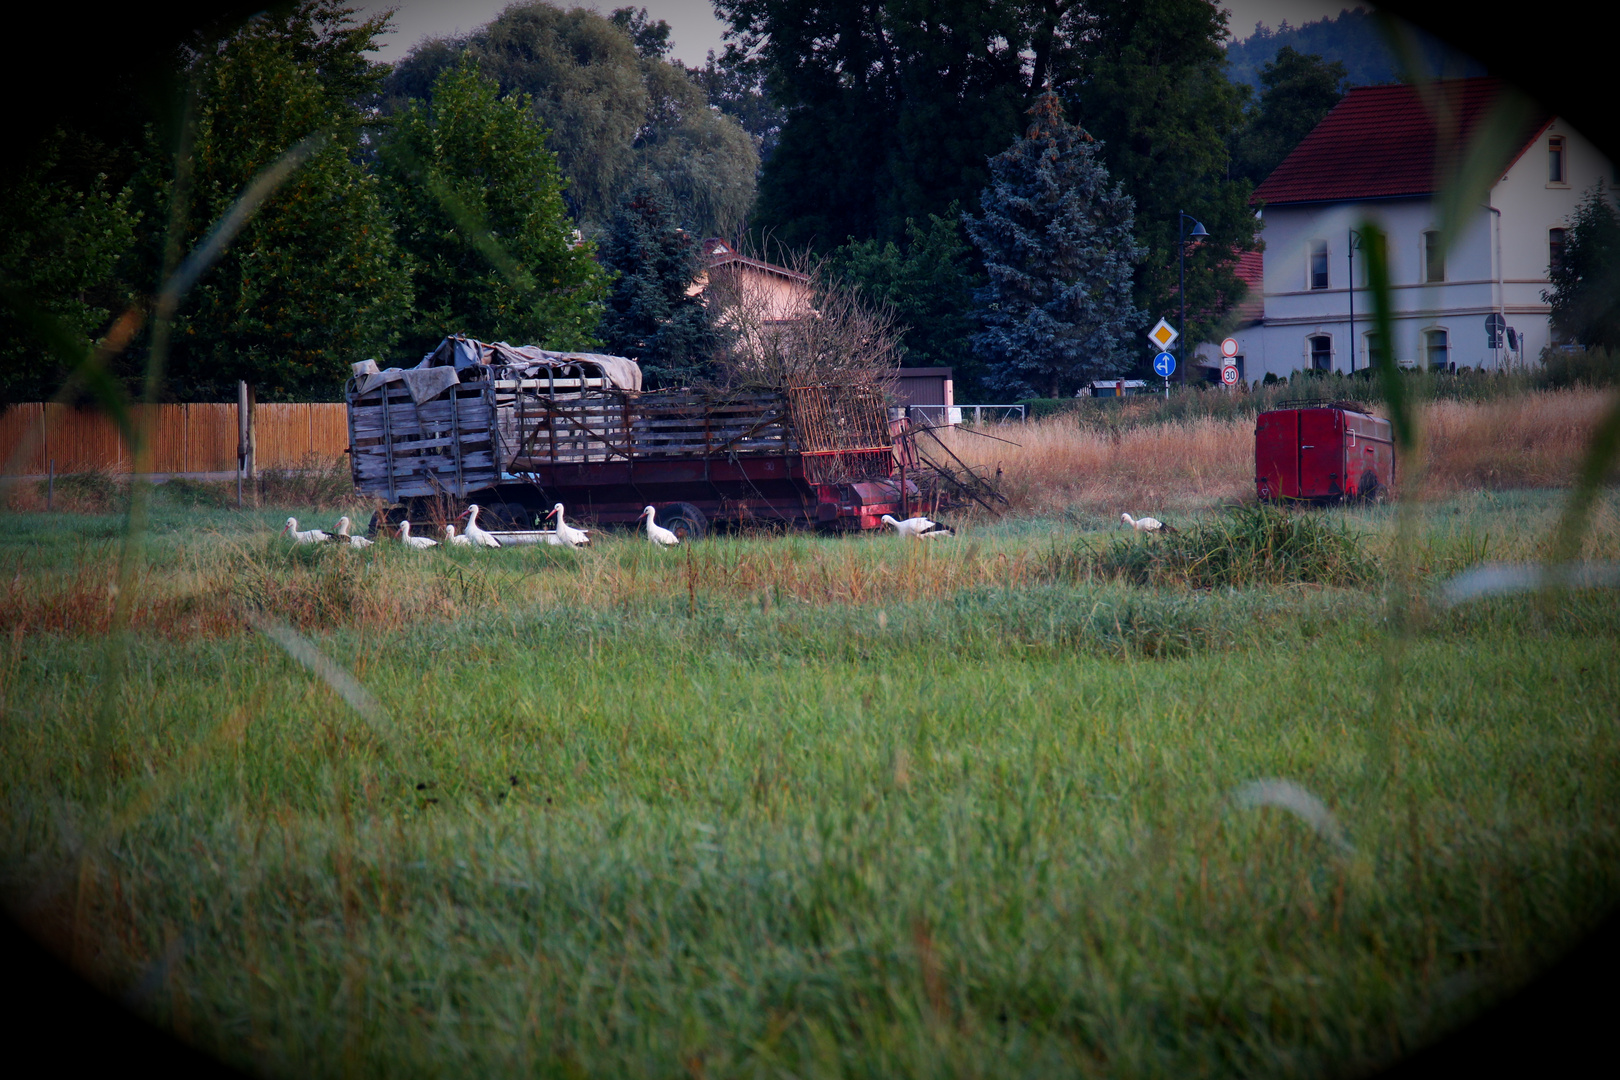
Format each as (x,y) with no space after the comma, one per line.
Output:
(1437,349)
(1322,353)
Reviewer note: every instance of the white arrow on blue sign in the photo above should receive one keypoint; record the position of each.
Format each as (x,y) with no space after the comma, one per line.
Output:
(1164,364)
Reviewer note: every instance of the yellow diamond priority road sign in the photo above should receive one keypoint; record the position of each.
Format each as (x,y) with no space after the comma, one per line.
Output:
(1163,335)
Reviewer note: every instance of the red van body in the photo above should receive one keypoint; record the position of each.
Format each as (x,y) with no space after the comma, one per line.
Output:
(1322,452)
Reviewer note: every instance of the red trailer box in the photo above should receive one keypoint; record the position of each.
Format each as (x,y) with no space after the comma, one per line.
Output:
(1322,451)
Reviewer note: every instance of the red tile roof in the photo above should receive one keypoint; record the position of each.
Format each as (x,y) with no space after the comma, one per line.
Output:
(1250,270)
(1381,142)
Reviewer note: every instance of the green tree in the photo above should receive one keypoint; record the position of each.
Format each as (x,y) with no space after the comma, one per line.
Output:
(60,254)
(1151,85)
(928,280)
(1585,293)
(649,317)
(1298,91)
(314,281)
(477,197)
(650,38)
(734,83)
(617,116)
(1056,236)
(891,107)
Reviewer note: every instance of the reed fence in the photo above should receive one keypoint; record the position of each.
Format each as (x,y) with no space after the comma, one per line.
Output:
(189,438)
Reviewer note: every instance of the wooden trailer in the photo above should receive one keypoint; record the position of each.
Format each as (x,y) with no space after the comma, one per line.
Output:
(518,429)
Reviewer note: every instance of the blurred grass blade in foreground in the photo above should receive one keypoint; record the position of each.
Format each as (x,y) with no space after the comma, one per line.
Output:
(1289,796)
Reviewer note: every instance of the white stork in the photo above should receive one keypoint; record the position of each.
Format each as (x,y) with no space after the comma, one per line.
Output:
(567,533)
(456,541)
(342,535)
(919,527)
(475,535)
(656,533)
(1147,524)
(308,536)
(421,543)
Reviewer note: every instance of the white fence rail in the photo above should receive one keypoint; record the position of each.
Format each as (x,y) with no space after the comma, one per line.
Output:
(943,416)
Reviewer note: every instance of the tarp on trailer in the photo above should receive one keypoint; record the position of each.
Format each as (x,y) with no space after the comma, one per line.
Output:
(461,352)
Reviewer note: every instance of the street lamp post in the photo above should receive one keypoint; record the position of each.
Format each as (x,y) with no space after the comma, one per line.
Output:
(1350,254)
(1182,217)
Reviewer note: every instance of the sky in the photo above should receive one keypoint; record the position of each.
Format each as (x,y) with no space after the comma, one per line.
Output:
(694,30)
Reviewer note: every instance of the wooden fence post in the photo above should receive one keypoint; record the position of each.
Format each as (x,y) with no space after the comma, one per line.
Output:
(244,437)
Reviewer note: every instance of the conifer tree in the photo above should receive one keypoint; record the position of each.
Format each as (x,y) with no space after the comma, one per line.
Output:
(1058,252)
(649,316)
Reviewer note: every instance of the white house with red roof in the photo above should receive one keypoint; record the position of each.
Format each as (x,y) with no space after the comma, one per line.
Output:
(1385,155)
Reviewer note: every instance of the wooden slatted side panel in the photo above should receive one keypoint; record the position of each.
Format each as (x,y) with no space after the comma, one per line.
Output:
(612,425)
(415,445)
(22,437)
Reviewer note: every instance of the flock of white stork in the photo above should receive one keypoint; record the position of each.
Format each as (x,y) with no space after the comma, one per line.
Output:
(565,535)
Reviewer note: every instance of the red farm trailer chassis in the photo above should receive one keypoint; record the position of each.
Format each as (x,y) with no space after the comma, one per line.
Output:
(517,429)
(1322,452)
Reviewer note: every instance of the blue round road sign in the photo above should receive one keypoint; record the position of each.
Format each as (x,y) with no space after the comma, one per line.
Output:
(1164,364)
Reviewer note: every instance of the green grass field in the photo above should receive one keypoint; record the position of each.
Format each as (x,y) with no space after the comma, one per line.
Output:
(805,806)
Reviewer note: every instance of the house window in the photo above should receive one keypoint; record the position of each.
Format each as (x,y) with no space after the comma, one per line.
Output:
(1434,258)
(1555,250)
(1322,353)
(1435,344)
(1555,160)
(1374,344)
(1319,264)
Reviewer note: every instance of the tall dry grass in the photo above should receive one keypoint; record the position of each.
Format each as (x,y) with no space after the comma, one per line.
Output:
(1535,440)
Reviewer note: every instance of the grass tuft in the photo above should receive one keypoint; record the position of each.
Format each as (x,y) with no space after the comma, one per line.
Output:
(1246,546)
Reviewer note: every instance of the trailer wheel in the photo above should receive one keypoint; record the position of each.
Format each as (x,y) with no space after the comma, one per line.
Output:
(1369,490)
(684,520)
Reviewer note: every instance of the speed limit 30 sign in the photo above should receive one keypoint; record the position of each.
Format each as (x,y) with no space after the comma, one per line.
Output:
(1229,375)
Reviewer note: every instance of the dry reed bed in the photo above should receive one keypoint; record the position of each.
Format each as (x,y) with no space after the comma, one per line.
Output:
(1535,440)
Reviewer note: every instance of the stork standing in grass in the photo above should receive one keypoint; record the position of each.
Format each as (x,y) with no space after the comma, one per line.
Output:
(1147,524)
(420,543)
(918,527)
(455,540)
(342,535)
(478,537)
(567,533)
(656,533)
(308,536)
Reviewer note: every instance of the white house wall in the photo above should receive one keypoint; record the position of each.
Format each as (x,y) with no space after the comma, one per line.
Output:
(1530,205)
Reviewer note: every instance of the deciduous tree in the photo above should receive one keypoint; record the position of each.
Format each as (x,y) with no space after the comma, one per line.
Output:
(478,201)
(617,112)
(1585,293)
(1298,90)
(60,255)
(314,281)
(928,280)
(1151,85)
